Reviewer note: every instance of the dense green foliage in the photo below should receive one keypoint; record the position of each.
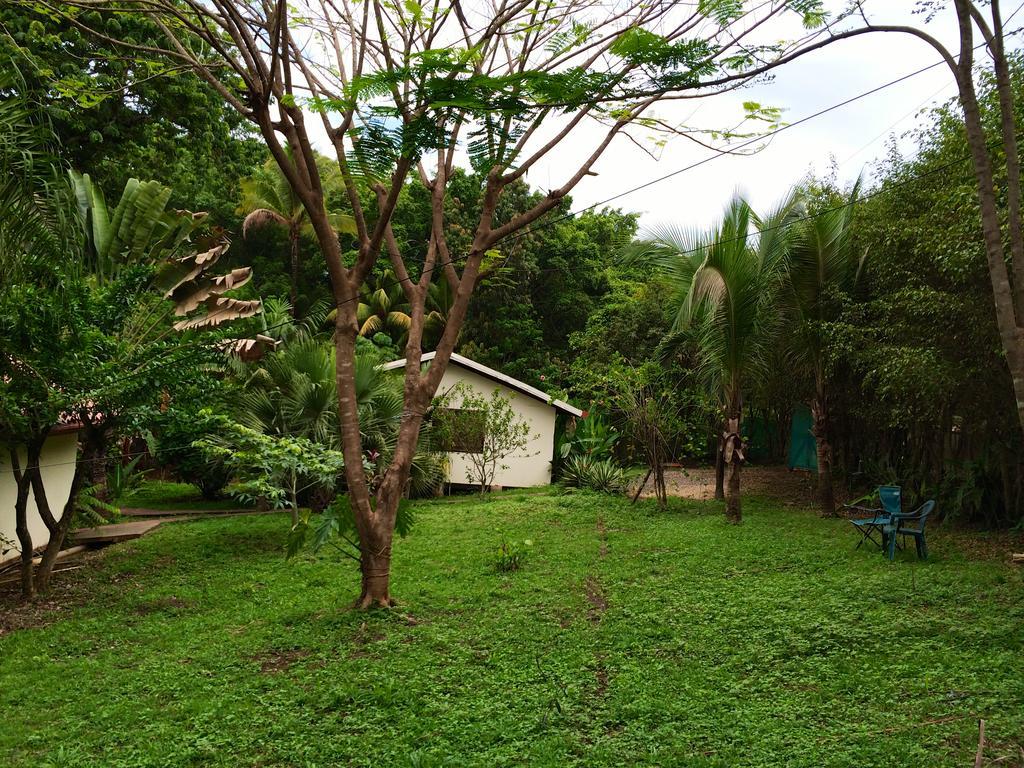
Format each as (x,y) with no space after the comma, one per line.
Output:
(626,636)
(926,397)
(118,116)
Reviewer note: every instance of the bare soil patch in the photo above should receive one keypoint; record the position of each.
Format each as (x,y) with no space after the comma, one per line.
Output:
(273,662)
(793,487)
(595,596)
(66,592)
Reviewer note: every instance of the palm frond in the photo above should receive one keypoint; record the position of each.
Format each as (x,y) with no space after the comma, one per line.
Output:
(261,217)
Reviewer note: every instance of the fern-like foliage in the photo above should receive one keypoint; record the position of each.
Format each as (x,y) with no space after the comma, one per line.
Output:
(91,510)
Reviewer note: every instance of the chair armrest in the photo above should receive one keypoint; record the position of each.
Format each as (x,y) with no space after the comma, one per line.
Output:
(901,517)
(868,510)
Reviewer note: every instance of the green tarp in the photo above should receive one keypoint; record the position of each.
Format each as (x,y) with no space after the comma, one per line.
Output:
(802,452)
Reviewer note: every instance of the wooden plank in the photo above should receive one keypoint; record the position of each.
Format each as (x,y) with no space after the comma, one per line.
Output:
(108,534)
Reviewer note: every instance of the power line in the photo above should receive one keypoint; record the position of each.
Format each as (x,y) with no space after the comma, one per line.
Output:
(783,225)
(551,222)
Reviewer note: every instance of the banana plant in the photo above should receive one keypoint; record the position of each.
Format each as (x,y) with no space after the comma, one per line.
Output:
(140,229)
(143,230)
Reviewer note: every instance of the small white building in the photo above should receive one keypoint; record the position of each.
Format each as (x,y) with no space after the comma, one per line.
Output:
(57,466)
(538,409)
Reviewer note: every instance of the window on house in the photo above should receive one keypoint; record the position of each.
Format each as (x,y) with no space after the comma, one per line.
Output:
(459,430)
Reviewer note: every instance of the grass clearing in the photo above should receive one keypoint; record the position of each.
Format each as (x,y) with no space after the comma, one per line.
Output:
(165,495)
(629,637)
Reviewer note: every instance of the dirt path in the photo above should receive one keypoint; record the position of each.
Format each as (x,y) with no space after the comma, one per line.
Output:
(789,486)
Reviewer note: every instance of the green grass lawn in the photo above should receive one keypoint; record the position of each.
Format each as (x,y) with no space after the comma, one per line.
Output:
(163,495)
(630,637)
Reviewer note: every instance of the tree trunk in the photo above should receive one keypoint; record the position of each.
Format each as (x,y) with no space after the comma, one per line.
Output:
(375,522)
(733,508)
(719,471)
(820,429)
(293,241)
(58,528)
(57,536)
(21,527)
(732,457)
(375,566)
(1006,319)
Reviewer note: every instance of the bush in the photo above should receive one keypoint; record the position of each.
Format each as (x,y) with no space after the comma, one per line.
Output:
(124,479)
(173,446)
(590,436)
(596,474)
(511,555)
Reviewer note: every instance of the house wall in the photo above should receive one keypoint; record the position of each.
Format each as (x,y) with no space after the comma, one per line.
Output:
(57,464)
(530,467)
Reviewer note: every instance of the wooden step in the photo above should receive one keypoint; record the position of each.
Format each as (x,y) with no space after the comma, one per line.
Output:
(108,534)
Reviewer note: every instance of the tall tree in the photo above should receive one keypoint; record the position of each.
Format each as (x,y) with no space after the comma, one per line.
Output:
(979,26)
(400,90)
(119,116)
(268,198)
(725,284)
(821,267)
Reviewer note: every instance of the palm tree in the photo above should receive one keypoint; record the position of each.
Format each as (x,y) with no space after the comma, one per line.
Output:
(268,198)
(725,283)
(291,392)
(822,266)
(440,298)
(382,308)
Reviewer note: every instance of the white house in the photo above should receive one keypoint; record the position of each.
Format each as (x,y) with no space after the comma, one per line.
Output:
(538,409)
(57,466)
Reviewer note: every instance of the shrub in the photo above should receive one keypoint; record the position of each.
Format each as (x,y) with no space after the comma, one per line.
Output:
(591,436)
(596,474)
(511,555)
(172,444)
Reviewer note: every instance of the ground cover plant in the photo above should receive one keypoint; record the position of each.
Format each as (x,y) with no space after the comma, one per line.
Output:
(628,636)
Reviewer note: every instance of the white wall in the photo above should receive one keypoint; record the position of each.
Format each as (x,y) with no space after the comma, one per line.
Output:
(57,465)
(532,466)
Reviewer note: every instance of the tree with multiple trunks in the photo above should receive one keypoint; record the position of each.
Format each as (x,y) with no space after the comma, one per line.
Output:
(86,334)
(402,90)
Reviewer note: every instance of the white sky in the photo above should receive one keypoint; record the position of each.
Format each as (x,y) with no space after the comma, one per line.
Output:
(853,135)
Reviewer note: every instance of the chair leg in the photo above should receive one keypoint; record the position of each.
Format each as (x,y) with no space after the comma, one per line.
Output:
(890,542)
(862,537)
(922,547)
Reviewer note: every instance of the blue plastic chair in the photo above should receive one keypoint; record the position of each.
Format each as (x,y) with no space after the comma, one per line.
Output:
(891,497)
(911,524)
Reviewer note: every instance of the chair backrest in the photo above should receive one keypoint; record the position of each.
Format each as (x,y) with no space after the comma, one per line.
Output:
(924,511)
(891,497)
(920,515)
